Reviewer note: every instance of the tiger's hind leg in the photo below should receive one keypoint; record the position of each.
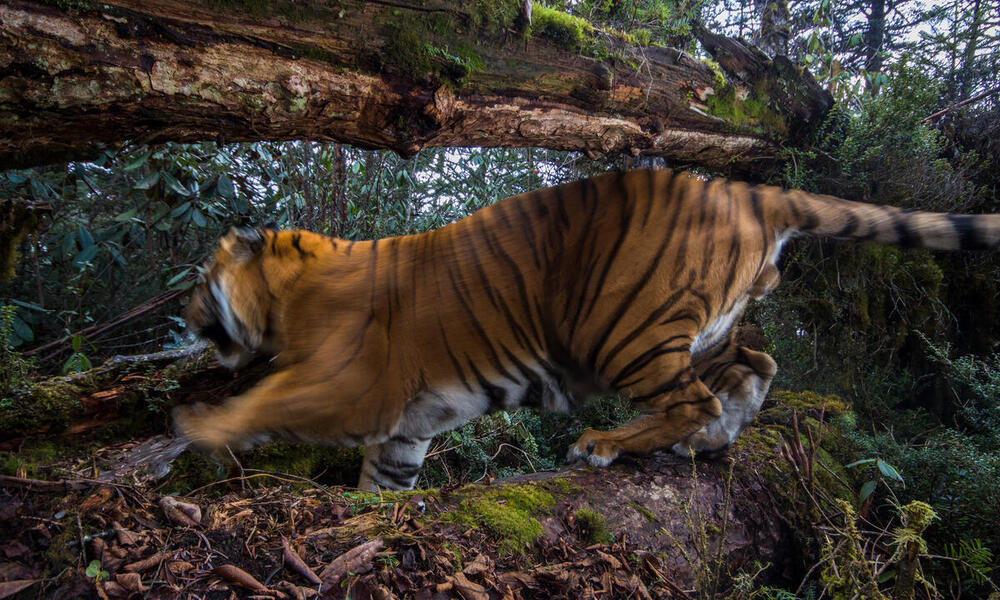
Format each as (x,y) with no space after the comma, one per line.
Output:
(393,464)
(662,383)
(740,377)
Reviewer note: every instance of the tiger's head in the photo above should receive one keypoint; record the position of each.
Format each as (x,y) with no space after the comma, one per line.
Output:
(231,305)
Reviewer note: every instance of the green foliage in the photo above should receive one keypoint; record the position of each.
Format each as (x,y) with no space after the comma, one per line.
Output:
(94,571)
(504,444)
(14,368)
(559,27)
(78,360)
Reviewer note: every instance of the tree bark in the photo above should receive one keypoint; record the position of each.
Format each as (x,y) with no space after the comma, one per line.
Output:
(379,74)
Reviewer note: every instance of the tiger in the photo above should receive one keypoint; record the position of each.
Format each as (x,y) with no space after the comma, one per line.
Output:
(626,282)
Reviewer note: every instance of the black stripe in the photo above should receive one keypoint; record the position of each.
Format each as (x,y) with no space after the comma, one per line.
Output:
(677,383)
(967,230)
(399,478)
(708,256)
(496,395)
(689,402)
(630,297)
(297,244)
(589,263)
(487,283)
(399,439)
(849,227)
(398,464)
(535,383)
(758,213)
(640,362)
(454,360)
(529,232)
(564,220)
(636,332)
(905,237)
(478,327)
(651,197)
(522,288)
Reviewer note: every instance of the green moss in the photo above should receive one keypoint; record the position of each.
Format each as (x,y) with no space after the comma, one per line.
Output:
(728,103)
(508,513)
(48,405)
(561,28)
(594,526)
(559,485)
(718,77)
(493,16)
(10,463)
(810,403)
(457,558)
(424,45)
(642,510)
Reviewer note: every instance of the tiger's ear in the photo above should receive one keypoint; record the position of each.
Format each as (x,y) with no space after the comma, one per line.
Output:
(243,243)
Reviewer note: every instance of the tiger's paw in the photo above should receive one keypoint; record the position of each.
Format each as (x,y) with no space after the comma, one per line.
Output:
(199,426)
(594,447)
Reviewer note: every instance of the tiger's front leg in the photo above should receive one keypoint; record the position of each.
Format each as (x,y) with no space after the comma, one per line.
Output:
(676,402)
(393,464)
(740,377)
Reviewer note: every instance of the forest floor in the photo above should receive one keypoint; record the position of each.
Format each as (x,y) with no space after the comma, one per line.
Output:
(105,523)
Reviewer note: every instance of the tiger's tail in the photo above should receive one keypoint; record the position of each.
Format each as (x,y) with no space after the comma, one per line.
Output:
(821,215)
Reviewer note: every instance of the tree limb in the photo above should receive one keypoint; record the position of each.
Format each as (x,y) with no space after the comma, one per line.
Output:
(377,74)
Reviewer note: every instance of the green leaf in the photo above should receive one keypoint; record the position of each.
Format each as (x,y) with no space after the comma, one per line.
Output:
(888,471)
(84,237)
(174,185)
(179,276)
(22,330)
(866,489)
(77,342)
(28,305)
(125,216)
(225,187)
(135,164)
(863,461)
(180,209)
(94,569)
(198,218)
(84,256)
(148,181)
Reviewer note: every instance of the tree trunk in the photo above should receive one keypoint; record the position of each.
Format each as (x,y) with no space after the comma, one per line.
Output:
(380,74)
(775,26)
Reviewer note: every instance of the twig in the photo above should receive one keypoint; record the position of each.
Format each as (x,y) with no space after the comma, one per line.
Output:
(138,311)
(40,485)
(960,104)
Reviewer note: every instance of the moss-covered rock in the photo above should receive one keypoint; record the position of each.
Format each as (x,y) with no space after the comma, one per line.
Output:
(508,513)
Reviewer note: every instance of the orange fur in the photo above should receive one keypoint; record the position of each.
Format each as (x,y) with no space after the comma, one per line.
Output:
(626,282)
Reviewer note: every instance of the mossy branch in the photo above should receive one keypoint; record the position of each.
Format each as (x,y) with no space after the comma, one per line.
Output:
(401,75)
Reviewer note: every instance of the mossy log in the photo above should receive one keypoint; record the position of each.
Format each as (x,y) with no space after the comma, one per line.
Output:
(122,395)
(403,75)
(658,526)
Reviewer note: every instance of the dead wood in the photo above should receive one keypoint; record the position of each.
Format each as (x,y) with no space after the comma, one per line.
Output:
(402,75)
